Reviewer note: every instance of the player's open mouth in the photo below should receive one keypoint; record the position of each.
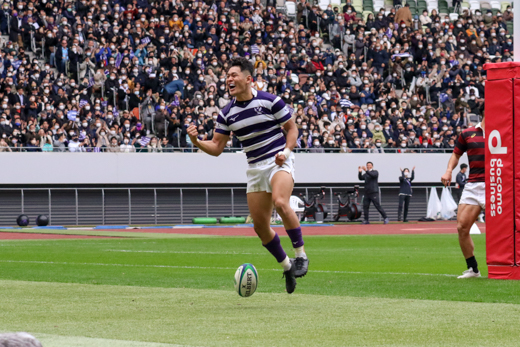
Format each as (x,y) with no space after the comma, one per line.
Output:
(231,86)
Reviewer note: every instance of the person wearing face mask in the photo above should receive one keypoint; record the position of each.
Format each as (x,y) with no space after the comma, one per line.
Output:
(378,134)
(316,145)
(379,58)
(160,118)
(111,88)
(404,16)
(371,176)
(367,95)
(405,193)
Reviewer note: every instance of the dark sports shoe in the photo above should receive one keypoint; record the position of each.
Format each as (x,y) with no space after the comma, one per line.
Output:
(302,265)
(290,279)
(365,222)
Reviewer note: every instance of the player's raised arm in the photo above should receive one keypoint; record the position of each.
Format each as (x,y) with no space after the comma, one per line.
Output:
(215,147)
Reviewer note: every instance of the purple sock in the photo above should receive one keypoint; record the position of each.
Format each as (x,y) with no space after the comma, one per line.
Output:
(296,237)
(275,248)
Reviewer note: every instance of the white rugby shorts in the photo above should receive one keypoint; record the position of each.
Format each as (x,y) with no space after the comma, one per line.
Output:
(259,174)
(474,193)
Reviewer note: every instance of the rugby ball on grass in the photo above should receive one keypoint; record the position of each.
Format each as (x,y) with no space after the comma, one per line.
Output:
(246,280)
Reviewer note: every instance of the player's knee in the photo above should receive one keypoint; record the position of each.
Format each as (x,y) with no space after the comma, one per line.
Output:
(463,227)
(280,204)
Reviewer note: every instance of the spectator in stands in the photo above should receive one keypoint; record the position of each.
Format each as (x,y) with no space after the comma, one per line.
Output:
(113,146)
(178,59)
(404,17)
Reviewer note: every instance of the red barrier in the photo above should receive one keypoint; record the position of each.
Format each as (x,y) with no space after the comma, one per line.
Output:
(502,176)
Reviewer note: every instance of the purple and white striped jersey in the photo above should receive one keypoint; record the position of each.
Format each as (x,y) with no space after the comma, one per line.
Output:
(257,124)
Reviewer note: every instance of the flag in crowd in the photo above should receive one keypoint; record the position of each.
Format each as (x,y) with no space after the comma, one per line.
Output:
(175,101)
(298,144)
(82,103)
(119,59)
(255,49)
(104,104)
(16,64)
(319,99)
(91,81)
(144,141)
(107,72)
(401,55)
(145,40)
(71,115)
(214,7)
(115,112)
(345,103)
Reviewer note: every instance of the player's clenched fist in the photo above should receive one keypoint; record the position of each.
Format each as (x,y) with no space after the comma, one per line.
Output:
(280,159)
(193,133)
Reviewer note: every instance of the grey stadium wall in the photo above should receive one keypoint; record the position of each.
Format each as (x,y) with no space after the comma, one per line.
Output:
(195,168)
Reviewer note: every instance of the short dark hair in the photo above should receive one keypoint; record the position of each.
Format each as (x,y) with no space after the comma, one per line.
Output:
(463,166)
(369,162)
(243,63)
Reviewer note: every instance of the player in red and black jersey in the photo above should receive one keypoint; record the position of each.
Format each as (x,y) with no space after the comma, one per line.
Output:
(473,199)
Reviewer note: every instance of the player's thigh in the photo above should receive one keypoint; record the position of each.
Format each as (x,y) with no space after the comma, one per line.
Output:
(260,208)
(282,186)
(466,216)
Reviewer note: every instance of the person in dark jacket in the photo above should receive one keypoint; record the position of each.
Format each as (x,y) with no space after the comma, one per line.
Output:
(111,87)
(379,58)
(371,191)
(405,193)
(461,181)
(15,34)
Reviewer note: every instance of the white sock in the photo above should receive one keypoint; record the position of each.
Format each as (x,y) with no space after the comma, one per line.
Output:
(300,253)
(286,264)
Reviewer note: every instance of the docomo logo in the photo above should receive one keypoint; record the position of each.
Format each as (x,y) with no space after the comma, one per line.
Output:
(498,149)
(495,186)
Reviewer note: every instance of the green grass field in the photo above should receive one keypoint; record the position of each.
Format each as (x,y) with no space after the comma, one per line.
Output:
(398,290)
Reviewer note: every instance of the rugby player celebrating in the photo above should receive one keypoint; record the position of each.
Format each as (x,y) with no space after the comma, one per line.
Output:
(257,119)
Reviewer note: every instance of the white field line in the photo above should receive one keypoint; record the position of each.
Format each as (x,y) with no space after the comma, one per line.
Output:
(181,252)
(62,340)
(219,268)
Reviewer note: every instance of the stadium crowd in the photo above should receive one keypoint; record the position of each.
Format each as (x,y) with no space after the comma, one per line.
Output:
(132,75)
